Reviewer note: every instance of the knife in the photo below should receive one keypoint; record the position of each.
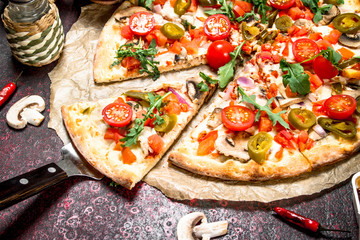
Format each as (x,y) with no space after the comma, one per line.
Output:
(28,184)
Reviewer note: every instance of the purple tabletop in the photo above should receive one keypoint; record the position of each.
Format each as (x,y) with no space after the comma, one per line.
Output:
(79,208)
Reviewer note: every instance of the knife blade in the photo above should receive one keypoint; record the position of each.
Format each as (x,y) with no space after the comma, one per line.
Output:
(28,184)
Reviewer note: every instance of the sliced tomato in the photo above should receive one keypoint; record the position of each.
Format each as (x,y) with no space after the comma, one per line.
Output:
(315,81)
(284,138)
(207,143)
(128,157)
(117,114)
(173,108)
(126,32)
(282,4)
(141,23)
(217,27)
(324,68)
(241,7)
(296,13)
(238,11)
(340,106)
(218,53)
(113,134)
(237,118)
(156,143)
(304,48)
(318,108)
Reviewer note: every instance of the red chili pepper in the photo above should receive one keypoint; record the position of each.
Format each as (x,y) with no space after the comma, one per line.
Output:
(301,221)
(6,92)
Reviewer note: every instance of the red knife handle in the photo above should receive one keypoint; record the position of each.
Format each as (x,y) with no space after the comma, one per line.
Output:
(28,184)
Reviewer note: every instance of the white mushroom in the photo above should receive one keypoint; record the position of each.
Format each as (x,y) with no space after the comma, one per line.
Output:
(187,228)
(26,110)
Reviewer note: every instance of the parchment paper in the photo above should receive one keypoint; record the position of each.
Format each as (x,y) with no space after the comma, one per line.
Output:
(72,81)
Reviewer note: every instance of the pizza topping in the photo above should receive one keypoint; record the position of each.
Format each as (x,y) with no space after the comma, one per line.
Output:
(345,129)
(172,31)
(138,95)
(282,4)
(317,10)
(330,15)
(283,23)
(180,99)
(249,33)
(214,119)
(207,143)
(117,114)
(304,49)
(169,123)
(237,118)
(156,143)
(295,77)
(128,157)
(301,118)
(181,6)
(347,23)
(324,68)
(217,27)
(192,91)
(145,56)
(319,131)
(340,106)
(225,9)
(259,145)
(207,3)
(233,145)
(274,117)
(350,40)
(218,53)
(141,23)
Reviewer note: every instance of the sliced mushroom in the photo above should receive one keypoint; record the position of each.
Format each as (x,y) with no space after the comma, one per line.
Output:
(234,145)
(26,110)
(330,15)
(285,102)
(192,91)
(350,40)
(214,119)
(187,229)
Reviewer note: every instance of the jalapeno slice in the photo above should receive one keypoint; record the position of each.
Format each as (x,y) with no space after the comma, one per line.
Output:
(139,95)
(301,118)
(249,33)
(349,62)
(333,2)
(347,23)
(169,123)
(337,87)
(259,145)
(345,129)
(272,17)
(207,2)
(283,23)
(357,105)
(172,31)
(181,6)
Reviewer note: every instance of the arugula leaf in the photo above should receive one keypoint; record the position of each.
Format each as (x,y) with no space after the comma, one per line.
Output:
(318,11)
(146,3)
(274,117)
(187,25)
(145,56)
(203,87)
(330,54)
(295,76)
(262,8)
(134,132)
(226,9)
(226,72)
(247,15)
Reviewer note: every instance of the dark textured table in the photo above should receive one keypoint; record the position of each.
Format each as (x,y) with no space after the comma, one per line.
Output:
(80,208)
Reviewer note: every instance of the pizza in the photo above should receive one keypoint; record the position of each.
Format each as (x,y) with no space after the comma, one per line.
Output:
(288,98)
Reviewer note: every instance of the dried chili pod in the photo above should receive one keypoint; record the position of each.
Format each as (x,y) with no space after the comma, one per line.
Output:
(302,221)
(6,92)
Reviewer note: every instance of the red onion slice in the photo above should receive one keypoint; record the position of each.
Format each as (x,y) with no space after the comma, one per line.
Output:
(319,130)
(180,98)
(245,82)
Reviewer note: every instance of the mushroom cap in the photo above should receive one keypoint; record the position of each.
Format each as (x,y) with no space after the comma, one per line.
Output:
(350,40)
(187,223)
(13,117)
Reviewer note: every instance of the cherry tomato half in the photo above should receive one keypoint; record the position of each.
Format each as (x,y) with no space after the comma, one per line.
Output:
(282,4)
(340,106)
(141,23)
(117,114)
(217,27)
(218,53)
(304,48)
(324,68)
(237,118)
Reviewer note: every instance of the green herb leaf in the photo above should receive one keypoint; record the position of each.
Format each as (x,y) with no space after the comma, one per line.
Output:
(274,117)
(187,25)
(203,87)
(145,56)
(318,11)
(226,72)
(225,9)
(262,8)
(295,76)
(134,132)
(248,15)
(146,3)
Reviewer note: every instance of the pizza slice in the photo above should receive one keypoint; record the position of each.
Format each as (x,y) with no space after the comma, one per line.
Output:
(241,137)
(124,137)
(136,42)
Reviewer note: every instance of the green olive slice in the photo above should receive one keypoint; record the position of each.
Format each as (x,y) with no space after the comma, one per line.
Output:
(283,23)
(301,118)
(259,145)
(172,31)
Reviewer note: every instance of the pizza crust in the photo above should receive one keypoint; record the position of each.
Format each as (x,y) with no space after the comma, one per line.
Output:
(109,41)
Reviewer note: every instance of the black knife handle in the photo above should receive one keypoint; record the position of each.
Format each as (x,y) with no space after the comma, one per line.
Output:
(28,184)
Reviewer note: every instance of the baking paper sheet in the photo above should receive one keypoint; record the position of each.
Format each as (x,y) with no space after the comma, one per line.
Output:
(72,81)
